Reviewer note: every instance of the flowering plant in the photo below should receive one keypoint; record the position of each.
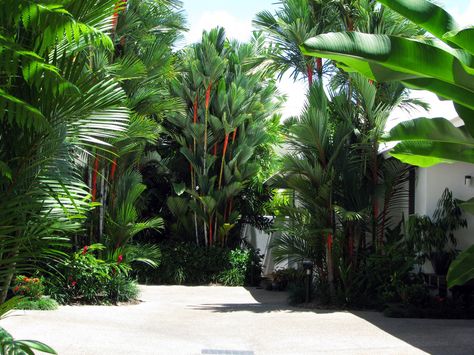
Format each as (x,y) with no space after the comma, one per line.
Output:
(31,287)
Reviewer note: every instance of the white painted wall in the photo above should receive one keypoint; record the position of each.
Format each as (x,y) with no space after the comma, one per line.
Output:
(262,240)
(430,184)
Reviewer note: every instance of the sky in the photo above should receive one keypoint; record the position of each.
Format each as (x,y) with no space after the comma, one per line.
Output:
(236,17)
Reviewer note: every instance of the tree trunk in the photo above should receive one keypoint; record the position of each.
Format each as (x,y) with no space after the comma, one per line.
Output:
(8,279)
(330,265)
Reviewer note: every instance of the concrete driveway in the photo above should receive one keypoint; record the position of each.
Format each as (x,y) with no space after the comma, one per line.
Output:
(232,320)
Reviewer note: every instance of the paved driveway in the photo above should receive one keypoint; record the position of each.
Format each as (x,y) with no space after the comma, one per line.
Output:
(226,320)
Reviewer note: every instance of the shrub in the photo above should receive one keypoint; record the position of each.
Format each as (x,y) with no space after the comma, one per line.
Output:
(239,262)
(253,274)
(231,277)
(87,279)
(185,263)
(30,287)
(122,289)
(297,294)
(42,304)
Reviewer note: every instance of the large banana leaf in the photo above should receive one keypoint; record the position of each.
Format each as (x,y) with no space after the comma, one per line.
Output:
(462,269)
(424,13)
(445,68)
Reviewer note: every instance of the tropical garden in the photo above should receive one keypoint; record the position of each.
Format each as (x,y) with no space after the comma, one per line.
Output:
(125,159)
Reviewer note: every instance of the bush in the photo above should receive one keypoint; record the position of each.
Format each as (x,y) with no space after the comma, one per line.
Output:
(444,309)
(42,304)
(297,294)
(87,279)
(30,287)
(184,263)
(239,262)
(122,289)
(232,277)
(187,264)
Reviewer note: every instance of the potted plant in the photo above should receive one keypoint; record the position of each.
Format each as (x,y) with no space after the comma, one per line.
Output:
(433,238)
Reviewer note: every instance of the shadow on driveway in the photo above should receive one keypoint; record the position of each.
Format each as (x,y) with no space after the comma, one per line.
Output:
(434,336)
(265,302)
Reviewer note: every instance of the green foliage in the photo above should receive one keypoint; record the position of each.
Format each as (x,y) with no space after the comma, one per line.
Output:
(184,263)
(121,288)
(239,261)
(123,221)
(41,304)
(433,238)
(87,279)
(383,278)
(224,146)
(8,345)
(52,117)
(461,270)
(231,277)
(443,68)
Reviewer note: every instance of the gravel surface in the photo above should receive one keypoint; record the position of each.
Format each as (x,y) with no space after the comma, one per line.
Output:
(232,320)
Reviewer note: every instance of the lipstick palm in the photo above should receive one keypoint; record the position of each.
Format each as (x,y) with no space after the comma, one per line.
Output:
(292,24)
(227,126)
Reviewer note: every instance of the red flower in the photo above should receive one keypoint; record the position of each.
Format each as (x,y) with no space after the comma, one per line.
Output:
(74,283)
(84,250)
(16,289)
(119,259)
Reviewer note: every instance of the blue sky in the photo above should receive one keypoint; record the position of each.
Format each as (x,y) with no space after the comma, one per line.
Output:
(236,17)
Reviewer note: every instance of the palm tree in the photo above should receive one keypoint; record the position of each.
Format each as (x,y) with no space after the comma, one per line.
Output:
(293,23)
(56,111)
(315,145)
(143,63)
(219,137)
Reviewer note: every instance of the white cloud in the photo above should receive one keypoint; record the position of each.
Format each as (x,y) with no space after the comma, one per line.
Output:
(465,18)
(438,108)
(236,28)
(295,93)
